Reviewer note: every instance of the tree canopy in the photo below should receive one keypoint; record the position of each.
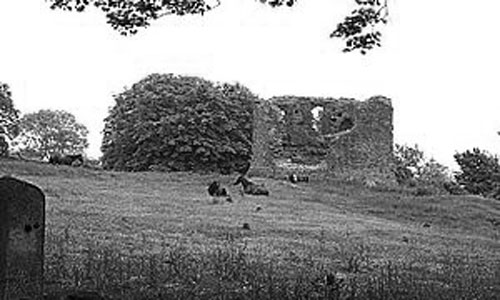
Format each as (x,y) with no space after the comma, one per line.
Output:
(9,118)
(411,167)
(179,123)
(479,172)
(48,132)
(360,29)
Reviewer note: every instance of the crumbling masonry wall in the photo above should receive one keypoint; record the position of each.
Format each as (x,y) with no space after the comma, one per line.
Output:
(323,137)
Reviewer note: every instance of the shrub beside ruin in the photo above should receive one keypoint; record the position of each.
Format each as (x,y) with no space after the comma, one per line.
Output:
(426,176)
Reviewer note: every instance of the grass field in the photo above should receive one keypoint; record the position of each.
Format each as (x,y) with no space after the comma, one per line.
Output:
(160,236)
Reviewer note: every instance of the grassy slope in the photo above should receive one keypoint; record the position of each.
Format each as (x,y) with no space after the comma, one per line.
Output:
(317,218)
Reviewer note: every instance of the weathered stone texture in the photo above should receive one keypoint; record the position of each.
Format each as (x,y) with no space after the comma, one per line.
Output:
(323,137)
(22,225)
(265,123)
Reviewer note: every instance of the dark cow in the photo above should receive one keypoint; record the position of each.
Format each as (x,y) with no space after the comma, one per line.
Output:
(251,188)
(294,178)
(214,189)
(69,160)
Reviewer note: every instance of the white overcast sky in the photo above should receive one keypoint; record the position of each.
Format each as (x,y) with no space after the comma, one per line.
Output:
(439,62)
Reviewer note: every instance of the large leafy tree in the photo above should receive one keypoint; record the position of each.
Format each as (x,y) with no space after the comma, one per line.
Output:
(179,123)
(479,172)
(360,29)
(9,119)
(48,132)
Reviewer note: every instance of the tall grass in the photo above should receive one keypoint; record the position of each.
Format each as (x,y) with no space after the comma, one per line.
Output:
(231,270)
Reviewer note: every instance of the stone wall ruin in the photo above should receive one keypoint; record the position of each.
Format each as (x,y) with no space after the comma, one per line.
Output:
(323,137)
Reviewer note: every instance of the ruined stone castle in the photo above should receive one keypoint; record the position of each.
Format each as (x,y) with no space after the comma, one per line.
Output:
(323,137)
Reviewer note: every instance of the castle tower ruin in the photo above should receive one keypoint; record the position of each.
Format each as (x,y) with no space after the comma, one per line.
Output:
(323,137)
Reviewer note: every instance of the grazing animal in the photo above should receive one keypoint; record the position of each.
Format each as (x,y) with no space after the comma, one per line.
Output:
(214,189)
(251,188)
(69,160)
(294,178)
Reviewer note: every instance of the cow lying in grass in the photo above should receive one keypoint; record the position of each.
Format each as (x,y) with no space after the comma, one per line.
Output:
(69,160)
(294,178)
(215,190)
(251,188)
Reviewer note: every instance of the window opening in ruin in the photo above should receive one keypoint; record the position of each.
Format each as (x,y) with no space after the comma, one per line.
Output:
(281,115)
(316,112)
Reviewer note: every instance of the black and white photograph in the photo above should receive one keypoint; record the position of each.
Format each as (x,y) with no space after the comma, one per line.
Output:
(249,149)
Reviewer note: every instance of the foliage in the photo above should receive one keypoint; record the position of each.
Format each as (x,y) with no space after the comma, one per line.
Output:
(359,30)
(9,119)
(479,172)
(413,169)
(179,123)
(433,172)
(408,162)
(47,132)
(4,146)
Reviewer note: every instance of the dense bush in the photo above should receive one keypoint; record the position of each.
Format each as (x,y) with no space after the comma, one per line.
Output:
(413,169)
(479,172)
(179,123)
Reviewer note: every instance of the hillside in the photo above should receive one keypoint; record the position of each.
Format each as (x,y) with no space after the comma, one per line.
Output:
(338,223)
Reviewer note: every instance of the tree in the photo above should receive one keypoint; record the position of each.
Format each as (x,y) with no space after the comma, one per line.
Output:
(9,119)
(479,172)
(413,169)
(179,123)
(359,29)
(49,132)
(409,162)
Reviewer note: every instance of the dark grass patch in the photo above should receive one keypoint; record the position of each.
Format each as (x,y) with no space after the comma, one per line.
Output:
(232,271)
